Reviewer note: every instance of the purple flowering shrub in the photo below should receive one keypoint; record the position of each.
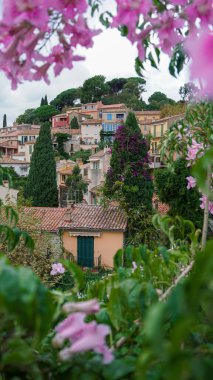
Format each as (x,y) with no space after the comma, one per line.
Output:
(128,180)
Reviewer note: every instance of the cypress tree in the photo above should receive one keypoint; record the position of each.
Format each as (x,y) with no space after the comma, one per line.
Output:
(42,102)
(45,101)
(41,183)
(74,123)
(4,121)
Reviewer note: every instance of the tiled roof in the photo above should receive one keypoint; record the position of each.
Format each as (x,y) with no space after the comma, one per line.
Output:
(101,153)
(81,217)
(95,217)
(10,160)
(50,217)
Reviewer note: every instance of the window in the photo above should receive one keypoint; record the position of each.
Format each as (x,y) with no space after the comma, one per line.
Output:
(109,116)
(161,129)
(63,178)
(154,132)
(119,116)
(145,128)
(96,165)
(85,172)
(31,149)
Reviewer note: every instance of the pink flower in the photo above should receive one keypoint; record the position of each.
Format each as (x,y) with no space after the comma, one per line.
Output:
(200,49)
(57,268)
(82,336)
(203,200)
(191,182)
(200,9)
(86,307)
(194,151)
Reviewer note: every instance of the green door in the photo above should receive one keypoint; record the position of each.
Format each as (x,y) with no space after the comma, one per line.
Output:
(86,251)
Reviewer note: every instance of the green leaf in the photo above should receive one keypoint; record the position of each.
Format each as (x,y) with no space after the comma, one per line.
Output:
(200,171)
(18,353)
(76,272)
(118,259)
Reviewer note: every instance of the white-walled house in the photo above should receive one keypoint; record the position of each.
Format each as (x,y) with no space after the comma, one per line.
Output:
(21,167)
(90,131)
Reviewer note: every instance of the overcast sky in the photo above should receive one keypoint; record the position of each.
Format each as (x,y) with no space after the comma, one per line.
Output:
(112,56)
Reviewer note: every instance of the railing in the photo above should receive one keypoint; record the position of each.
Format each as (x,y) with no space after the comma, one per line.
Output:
(97,260)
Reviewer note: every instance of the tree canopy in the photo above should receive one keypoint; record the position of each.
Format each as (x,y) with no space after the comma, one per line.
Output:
(172,189)
(66,98)
(94,89)
(76,185)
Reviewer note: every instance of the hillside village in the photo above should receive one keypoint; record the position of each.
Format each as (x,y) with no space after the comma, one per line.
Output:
(95,123)
(106,190)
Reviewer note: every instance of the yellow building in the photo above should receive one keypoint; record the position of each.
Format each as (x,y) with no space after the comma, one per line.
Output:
(90,234)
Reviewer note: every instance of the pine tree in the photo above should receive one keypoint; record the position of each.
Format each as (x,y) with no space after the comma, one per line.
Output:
(74,123)
(41,183)
(76,186)
(128,180)
(4,121)
(42,102)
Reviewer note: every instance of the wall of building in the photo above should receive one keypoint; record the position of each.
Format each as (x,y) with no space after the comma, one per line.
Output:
(91,133)
(8,195)
(20,169)
(106,245)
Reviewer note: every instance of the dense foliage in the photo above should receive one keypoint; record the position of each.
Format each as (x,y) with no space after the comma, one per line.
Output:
(76,185)
(74,123)
(128,180)
(62,138)
(172,189)
(41,183)
(66,98)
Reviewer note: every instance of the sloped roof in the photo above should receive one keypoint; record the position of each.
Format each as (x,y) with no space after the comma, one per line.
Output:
(10,160)
(95,217)
(50,217)
(81,217)
(101,153)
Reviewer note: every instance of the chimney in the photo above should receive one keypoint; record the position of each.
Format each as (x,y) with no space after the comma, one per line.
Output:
(70,208)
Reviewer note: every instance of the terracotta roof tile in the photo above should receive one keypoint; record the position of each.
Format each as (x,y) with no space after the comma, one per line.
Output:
(101,153)
(95,217)
(10,160)
(50,217)
(83,217)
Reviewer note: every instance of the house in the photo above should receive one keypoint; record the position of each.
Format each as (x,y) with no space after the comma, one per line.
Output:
(45,223)
(112,117)
(90,234)
(7,194)
(90,131)
(147,116)
(98,166)
(60,121)
(157,130)
(21,167)
(19,143)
